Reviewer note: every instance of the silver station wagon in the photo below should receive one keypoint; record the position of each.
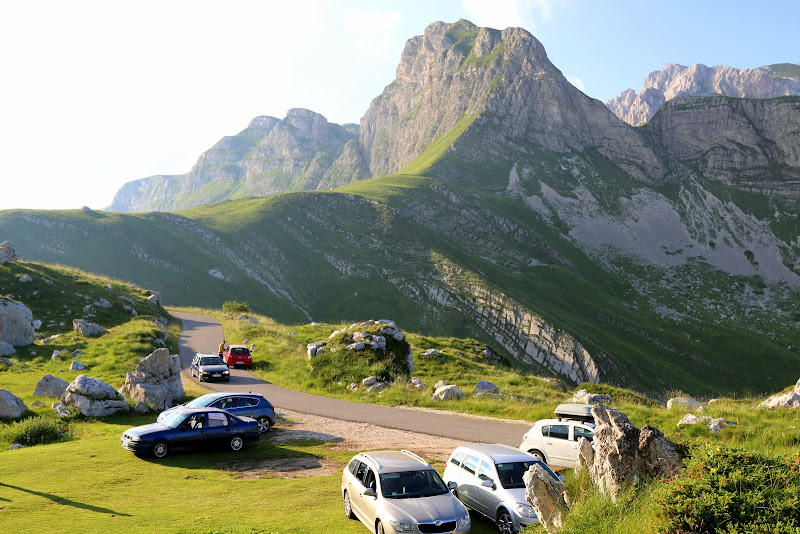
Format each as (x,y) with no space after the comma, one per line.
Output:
(489,481)
(398,492)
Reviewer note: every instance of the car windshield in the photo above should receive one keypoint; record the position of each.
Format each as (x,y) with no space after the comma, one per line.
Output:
(510,474)
(199,402)
(211,360)
(173,419)
(412,484)
(240,351)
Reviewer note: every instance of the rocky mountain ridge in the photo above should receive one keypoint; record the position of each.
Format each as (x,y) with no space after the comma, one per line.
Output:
(699,80)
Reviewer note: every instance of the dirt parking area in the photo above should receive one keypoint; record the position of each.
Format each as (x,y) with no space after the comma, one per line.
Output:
(343,436)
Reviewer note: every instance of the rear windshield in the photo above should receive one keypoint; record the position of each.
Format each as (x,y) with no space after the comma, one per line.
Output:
(510,474)
(240,351)
(412,484)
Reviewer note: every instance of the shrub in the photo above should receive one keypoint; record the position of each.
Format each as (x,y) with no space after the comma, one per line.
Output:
(35,431)
(726,489)
(236,307)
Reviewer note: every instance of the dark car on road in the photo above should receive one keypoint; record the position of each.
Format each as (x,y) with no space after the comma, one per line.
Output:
(252,405)
(209,367)
(190,428)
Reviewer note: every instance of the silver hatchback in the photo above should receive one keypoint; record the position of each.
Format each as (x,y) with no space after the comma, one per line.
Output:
(398,492)
(489,481)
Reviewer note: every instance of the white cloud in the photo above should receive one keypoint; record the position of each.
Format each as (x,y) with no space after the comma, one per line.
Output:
(577,82)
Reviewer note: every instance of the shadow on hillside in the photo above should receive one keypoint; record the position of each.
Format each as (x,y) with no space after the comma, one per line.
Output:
(66,502)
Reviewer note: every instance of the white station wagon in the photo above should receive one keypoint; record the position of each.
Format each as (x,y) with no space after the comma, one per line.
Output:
(555,441)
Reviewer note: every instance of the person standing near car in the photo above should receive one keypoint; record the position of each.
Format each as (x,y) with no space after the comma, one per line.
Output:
(221,348)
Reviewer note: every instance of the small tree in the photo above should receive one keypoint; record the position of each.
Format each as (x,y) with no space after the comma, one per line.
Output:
(236,307)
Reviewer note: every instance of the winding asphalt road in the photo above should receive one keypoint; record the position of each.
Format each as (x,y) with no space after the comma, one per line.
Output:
(203,334)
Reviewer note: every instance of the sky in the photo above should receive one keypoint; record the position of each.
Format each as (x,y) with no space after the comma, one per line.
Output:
(94,94)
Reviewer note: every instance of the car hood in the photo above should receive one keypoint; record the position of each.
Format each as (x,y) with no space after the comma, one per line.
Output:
(213,368)
(146,429)
(427,509)
(517,494)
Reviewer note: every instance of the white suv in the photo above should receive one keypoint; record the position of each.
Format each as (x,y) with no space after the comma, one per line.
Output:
(399,492)
(555,441)
(489,481)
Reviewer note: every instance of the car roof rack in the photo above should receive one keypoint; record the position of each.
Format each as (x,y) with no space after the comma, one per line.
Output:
(415,456)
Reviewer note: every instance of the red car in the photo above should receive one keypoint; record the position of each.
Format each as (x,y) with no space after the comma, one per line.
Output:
(238,356)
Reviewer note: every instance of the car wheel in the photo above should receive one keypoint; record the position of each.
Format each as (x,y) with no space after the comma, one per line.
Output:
(538,455)
(237,443)
(379,528)
(348,510)
(160,449)
(505,524)
(264,423)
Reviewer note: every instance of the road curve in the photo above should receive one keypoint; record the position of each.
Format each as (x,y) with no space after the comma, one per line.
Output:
(204,334)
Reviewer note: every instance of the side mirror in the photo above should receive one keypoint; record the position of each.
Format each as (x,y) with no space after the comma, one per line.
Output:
(561,478)
(452,485)
(369,492)
(487,483)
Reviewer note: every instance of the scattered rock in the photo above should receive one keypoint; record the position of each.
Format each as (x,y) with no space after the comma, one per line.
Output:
(429,352)
(376,387)
(369,381)
(76,366)
(417,383)
(584,397)
(60,409)
(153,297)
(102,303)
(11,406)
(50,386)
(50,339)
(789,399)
(356,346)
(76,352)
(485,386)
(547,496)
(451,392)
(439,384)
(7,253)
(16,323)
(156,381)
(253,320)
(585,454)
(715,425)
(56,355)
(87,329)
(36,404)
(16,446)
(491,356)
(691,419)
(353,386)
(315,349)
(25,278)
(141,408)
(93,397)
(7,350)
(683,403)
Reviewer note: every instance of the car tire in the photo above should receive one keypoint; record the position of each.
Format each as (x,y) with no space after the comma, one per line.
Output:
(160,449)
(379,528)
(348,508)
(236,443)
(505,523)
(264,424)
(538,454)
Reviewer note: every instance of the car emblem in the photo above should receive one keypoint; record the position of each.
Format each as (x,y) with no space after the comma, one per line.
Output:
(438,523)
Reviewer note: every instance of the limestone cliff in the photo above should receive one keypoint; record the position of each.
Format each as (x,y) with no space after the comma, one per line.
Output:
(699,80)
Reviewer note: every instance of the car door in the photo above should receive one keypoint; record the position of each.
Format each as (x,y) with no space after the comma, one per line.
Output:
(486,498)
(245,406)
(558,444)
(355,488)
(191,432)
(469,481)
(218,429)
(578,431)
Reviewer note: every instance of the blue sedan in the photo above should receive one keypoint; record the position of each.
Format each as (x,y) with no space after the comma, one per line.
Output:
(188,428)
(238,403)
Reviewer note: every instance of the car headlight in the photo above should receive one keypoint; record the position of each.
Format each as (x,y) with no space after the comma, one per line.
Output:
(226,372)
(464,521)
(134,438)
(402,526)
(526,511)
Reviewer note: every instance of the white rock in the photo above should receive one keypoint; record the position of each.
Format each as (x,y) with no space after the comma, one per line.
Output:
(369,381)
(11,406)
(25,278)
(76,366)
(451,392)
(683,403)
(50,386)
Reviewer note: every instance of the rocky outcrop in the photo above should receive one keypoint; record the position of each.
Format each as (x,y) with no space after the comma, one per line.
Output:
(11,406)
(790,399)
(156,380)
(16,323)
(93,397)
(699,80)
(303,151)
(584,397)
(50,386)
(623,454)
(7,253)
(547,496)
(87,329)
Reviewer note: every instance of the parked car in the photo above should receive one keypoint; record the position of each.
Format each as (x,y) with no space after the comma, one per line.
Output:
(555,441)
(189,428)
(238,356)
(398,492)
(252,405)
(489,481)
(209,367)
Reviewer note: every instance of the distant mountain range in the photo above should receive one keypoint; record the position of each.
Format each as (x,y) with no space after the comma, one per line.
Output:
(484,196)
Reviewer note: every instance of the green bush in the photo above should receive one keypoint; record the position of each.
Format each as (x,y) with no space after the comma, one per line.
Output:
(236,307)
(727,489)
(34,431)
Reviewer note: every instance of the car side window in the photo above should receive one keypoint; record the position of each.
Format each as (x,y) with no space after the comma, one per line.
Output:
(581,432)
(195,421)
(471,464)
(369,479)
(457,457)
(361,471)
(353,467)
(216,419)
(486,471)
(247,401)
(546,430)
(559,431)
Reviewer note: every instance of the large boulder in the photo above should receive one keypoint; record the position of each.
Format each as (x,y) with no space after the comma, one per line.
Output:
(87,329)
(790,399)
(623,454)
(16,323)
(484,386)
(6,349)
(11,406)
(7,253)
(584,397)
(93,397)
(547,496)
(156,380)
(451,392)
(683,403)
(50,386)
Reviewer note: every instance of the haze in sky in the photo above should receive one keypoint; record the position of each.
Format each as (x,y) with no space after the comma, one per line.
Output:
(95,94)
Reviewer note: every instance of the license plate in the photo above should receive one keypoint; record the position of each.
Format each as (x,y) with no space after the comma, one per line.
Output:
(241,363)
(216,374)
